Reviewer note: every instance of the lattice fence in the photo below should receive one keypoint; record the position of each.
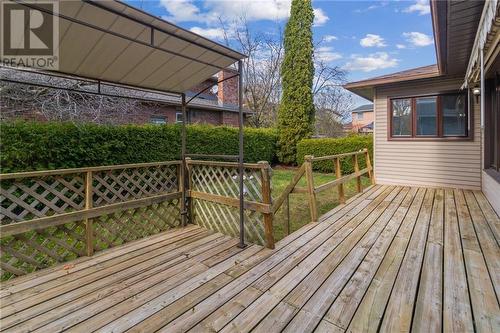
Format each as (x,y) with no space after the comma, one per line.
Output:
(222,181)
(53,204)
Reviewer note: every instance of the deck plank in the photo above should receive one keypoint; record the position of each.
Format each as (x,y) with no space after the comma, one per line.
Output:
(482,295)
(429,306)
(315,269)
(457,312)
(399,310)
(342,310)
(389,259)
(371,309)
(489,246)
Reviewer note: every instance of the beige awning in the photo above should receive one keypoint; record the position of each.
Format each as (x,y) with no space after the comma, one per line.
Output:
(113,42)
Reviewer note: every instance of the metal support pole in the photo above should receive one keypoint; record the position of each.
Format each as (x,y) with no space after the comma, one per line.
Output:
(183,166)
(240,158)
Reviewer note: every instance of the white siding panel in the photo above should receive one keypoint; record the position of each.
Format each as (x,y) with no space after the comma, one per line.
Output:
(425,163)
(491,189)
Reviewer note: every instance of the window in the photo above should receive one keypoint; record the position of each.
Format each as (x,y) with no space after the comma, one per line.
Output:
(359,116)
(158,120)
(178,117)
(426,113)
(437,116)
(401,117)
(454,117)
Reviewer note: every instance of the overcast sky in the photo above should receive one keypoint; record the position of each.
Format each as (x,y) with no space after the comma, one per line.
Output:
(367,38)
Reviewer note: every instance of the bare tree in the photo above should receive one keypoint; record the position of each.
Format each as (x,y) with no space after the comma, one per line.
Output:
(261,68)
(333,103)
(25,101)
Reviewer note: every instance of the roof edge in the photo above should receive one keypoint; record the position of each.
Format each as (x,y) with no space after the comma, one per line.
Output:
(439,15)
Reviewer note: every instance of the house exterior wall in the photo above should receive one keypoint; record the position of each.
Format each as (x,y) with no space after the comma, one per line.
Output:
(435,163)
(368,117)
(491,189)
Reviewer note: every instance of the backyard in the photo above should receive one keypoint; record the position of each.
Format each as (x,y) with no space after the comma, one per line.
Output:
(299,207)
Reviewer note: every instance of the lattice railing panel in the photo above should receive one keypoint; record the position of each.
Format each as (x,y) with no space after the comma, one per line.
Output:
(224,181)
(226,220)
(42,248)
(131,224)
(28,198)
(112,186)
(40,198)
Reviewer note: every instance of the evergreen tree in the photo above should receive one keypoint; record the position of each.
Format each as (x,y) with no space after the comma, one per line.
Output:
(296,111)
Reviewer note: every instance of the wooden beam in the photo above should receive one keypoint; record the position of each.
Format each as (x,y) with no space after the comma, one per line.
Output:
(58,172)
(233,202)
(49,221)
(338,175)
(266,199)
(341,180)
(290,187)
(89,230)
(310,188)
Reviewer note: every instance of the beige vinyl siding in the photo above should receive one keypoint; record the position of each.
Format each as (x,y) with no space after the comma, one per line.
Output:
(425,163)
(491,189)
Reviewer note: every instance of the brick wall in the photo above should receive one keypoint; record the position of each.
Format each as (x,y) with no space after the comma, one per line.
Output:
(228,90)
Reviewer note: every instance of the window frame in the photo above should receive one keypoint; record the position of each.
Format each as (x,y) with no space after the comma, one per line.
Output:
(165,119)
(177,114)
(439,134)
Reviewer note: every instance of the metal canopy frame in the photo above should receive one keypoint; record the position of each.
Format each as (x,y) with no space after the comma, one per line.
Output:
(239,158)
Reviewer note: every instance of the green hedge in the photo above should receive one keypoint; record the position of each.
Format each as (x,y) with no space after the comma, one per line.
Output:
(330,146)
(27,146)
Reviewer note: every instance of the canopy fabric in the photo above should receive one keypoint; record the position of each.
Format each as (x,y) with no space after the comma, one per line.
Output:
(113,42)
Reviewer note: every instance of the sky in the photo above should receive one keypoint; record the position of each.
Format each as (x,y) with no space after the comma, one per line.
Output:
(365,38)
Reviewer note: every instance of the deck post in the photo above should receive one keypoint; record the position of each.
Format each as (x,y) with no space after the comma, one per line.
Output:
(267,199)
(182,180)
(356,170)
(310,188)
(89,232)
(338,175)
(287,222)
(369,166)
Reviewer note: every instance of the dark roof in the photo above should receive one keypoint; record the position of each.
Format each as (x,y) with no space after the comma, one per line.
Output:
(364,88)
(455,25)
(369,126)
(363,108)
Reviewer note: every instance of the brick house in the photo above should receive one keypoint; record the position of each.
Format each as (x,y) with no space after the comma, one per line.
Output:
(216,105)
(362,119)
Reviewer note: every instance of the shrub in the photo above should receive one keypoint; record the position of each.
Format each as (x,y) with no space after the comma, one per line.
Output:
(331,146)
(27,146)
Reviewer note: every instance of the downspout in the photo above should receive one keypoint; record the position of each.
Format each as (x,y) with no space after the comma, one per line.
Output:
(240,156)
(481,57)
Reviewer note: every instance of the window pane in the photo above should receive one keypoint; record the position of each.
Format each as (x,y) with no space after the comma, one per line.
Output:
(454,117)
(401,117)
(426,116)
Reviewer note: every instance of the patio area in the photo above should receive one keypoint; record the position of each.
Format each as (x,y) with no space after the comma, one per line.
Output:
(389,259)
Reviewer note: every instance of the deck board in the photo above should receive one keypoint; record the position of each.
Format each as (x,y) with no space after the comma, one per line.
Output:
(390,259)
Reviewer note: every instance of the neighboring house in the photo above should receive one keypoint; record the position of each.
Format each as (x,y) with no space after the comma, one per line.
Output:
(213,106)
(362,117)
(439,125)
(216,105)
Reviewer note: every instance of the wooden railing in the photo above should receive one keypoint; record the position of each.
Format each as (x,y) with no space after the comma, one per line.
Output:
(49,217)
(214,192)
(306,170)
(53,216)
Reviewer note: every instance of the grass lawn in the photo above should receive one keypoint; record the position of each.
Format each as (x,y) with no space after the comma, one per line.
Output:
(299,205)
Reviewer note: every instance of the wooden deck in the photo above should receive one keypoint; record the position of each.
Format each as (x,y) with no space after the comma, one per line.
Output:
(391,259)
